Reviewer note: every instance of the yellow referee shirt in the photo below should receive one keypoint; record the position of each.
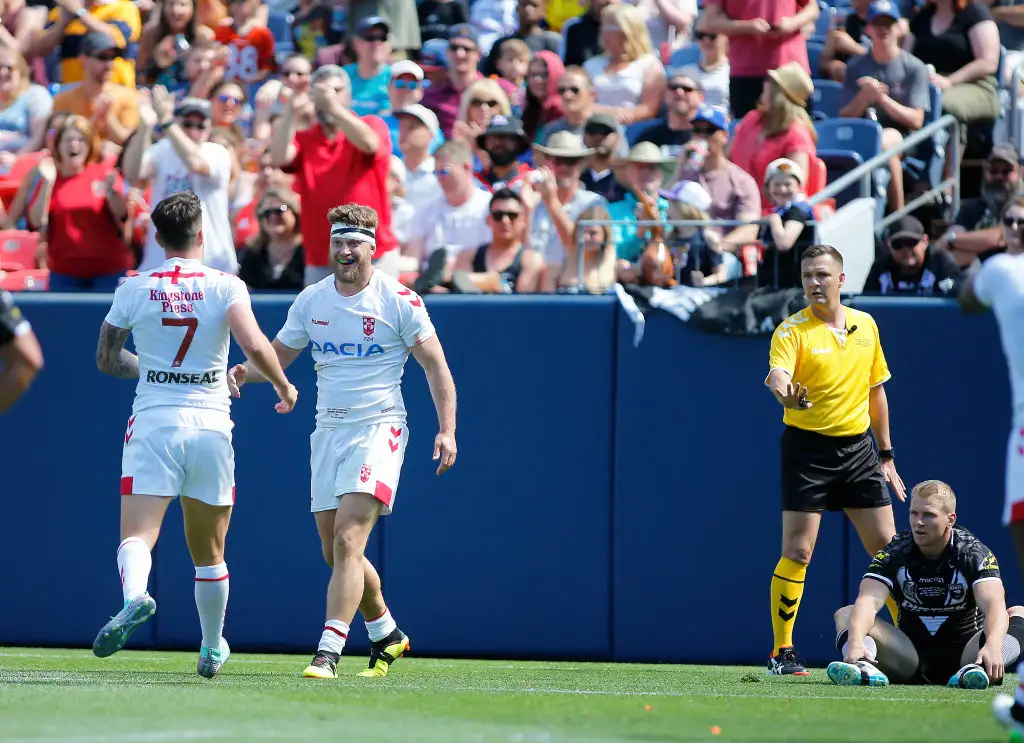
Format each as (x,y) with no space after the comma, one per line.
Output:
(837,367)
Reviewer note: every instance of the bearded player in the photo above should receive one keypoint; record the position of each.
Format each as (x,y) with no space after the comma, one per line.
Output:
(999,285)
(362,326)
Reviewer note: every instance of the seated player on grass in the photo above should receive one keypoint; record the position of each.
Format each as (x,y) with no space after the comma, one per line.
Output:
(953,621)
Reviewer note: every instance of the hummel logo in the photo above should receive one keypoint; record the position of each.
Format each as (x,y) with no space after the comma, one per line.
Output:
(321,322)
(814,351)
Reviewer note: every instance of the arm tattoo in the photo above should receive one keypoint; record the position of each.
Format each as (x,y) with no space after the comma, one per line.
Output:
(111,357)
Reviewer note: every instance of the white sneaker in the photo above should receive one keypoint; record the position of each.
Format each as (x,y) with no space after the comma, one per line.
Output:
(1002,709)
(212,659)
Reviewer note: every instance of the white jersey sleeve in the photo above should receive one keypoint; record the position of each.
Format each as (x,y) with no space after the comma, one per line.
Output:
(294,334)
(414,323)
(119,314)
(1000,285)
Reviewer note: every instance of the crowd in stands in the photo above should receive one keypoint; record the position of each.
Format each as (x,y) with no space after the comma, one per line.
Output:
(508,146)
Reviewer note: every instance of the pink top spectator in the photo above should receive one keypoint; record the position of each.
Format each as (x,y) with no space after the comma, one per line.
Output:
(443,99)
(752,152)
(753,56)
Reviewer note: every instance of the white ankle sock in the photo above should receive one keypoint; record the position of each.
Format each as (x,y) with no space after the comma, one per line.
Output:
(212,587)
(334,635)
(381,627)
(134,563)
(870,647)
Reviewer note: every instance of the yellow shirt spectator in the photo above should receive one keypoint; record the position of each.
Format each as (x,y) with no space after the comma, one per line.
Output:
(838,366)
(122,17)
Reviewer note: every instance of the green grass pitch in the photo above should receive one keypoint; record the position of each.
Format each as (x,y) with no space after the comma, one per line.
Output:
(68,696)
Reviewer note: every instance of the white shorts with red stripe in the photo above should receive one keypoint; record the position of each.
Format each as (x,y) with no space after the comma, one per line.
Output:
(1014,510)
(356,459)
(173,451)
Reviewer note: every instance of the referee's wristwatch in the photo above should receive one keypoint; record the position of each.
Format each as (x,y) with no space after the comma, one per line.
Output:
(889,453)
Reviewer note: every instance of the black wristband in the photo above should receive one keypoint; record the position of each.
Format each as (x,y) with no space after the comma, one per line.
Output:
(887,453)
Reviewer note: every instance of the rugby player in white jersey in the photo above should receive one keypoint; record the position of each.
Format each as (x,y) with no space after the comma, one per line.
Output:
(178,441)
(999,285)
(362,326)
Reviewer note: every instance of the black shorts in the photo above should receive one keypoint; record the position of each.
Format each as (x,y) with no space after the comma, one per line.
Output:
(830,473)
(938,664)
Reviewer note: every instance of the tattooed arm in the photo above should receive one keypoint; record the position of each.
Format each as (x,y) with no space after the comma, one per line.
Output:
(111,357)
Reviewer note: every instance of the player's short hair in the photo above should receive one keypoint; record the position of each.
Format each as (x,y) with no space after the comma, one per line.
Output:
(938,491)
(178,220)
(356,215)
(505,194)
(454,150)
(816,251)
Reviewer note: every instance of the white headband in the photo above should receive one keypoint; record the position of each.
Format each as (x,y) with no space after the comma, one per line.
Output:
(351,232)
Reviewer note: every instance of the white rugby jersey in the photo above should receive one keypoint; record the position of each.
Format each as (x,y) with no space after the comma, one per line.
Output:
(359,345)
(178,317)
(1000,285)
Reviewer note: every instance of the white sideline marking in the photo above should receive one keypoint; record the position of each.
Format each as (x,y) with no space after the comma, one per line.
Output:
(170,735)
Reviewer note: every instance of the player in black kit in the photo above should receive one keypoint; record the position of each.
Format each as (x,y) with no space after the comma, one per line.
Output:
(20,355)
(954,627)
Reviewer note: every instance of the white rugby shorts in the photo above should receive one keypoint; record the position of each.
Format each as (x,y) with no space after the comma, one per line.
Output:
(1014,508)
(356,459)
(173,451)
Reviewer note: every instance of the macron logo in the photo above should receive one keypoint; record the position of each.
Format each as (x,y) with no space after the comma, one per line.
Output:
(321,322)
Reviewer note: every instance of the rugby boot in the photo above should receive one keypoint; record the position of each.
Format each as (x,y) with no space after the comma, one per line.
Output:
(385,652)
(786,664)
(115,633)
(212,659)
(861,673)
(323,666)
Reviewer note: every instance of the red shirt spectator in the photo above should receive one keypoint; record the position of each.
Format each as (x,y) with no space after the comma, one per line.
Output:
(781,129)
(763,35)
(251,46)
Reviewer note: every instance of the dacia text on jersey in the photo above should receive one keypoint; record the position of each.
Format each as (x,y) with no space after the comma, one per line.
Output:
(170,300)
(348,349)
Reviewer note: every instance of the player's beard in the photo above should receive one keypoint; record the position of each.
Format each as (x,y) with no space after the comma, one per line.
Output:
(997,194)
(352,274)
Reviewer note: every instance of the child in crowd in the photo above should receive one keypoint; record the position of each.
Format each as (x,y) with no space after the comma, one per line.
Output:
(788,231)
(513,62)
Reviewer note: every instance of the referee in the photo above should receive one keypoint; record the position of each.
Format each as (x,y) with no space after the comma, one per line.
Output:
(827,369)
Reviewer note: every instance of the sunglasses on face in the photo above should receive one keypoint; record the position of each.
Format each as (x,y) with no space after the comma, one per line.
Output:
(674,87)
(196,125)
(1000,172)
(704,129)
(568,89)
(105,57)
(903,245)
(567,162)
(407,84)
(374,38)
(704,36)
(456,48)
(500,216)
(224,98)
(1014,223)
(271,211)
(480,102)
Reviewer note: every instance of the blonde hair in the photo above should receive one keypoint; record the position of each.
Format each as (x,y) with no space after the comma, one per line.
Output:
(631,22)
(782,113)
(514,48)
(486,87)
(681,211)
(597,279)
(356,215)
(937,491)
(24,77)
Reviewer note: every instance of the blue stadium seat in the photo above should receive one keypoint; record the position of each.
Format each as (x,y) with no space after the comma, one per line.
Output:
(814,50)
(687,55)
(280,25)
(635,129)
(843,144)
(928,160)
(826,96)
(824,23)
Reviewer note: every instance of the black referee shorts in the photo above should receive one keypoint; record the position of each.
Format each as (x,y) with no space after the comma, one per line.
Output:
(939,663)
(830,473)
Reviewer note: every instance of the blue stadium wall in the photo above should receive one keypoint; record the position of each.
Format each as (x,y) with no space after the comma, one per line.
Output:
(609,502)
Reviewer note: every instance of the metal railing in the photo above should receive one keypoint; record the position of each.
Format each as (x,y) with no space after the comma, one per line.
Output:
(862,173)
(1015,128)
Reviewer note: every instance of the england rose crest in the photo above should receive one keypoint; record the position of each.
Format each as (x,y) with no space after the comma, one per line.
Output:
(368,325)
(364,473)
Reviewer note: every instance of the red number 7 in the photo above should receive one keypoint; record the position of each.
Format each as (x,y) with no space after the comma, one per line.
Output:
(182,322)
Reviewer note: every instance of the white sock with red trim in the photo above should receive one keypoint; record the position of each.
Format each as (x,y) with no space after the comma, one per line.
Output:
(333,638)
(212,584)
(381,627)
(134,563)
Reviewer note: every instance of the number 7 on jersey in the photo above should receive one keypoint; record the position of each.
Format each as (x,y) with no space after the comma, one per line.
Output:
(192,323)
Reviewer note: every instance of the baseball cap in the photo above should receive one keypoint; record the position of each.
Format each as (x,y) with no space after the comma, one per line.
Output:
(602,121)
(464,31)
(689,192)
(684,72)
(372,22)
(885,8)
(712,115)
(96,43)
(505,126)
(424,114)
(406,67)
(193,106)
(783,166)
(1006,153)
(432,55)
(905,228)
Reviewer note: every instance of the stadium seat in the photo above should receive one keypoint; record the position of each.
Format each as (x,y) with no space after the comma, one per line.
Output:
(814,51)
(20,281)
(685,56)
(635,129)
(826,97)
(18,250)
(280,25)
(928,160)
(824,23)
(10,182)
(817,176)
(843,144)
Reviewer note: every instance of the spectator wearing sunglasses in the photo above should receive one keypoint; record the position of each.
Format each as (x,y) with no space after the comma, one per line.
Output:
(370,74)
(296,72)
(227,106)
(112,108)
(712,71)
(504,265)
(72,20)
(576,94)
(184,159)
(405,90)
(273,259)
(438,16)
(912,266)
(683,97)
(463,58)
(481,102)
